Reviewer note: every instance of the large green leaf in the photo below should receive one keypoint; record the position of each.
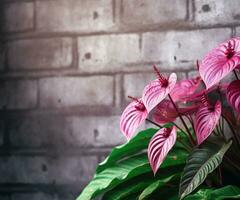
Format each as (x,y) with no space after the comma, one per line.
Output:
(126,162)
(227,192)
(156,185)
(137,184)
(125,170)
(134,186)
(135,145)
(201,162)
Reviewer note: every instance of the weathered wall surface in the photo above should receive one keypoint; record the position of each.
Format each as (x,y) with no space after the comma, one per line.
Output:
(67,67)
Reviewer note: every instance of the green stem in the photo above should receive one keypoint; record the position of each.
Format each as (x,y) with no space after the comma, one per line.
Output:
(232,129)
(184,145)
(181,118)
(235,73)
(154,123)
(220,175)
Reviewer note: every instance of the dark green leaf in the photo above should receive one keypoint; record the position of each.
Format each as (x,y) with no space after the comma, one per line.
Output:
(201,162)
(156,185)
(227,192)
(135,145)
(126,162)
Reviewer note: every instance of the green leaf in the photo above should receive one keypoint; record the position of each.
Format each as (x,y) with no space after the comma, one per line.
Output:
(227,192)
(114,175)
(137,184)
(125,170)
(134,186)
(200,163)
(126,162)
(135,145)
(155,185)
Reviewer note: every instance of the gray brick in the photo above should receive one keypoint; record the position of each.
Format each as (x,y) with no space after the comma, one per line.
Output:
(19,94)
(41,196)
(217,12)
(61,132)
(39,169)
(107,52)
(33,196)
(238,31)
(193,74)
(76,91)
(105,130)
(40,53)
(72,15)
(2,57)
(134,83)
(2,129)
(18,16)
(182,46)
(139,12)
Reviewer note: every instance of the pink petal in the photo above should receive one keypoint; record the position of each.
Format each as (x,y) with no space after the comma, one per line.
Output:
(206,120)
(185,88)
(154,92)
(216,64)
(164,112)
(233,95)
(159,146)
(132,118)
(197,96)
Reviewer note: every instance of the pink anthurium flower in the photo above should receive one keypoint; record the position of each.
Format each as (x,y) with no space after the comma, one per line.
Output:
(233,95)
(197,96)
(206,119)
(158,89)
(165,112)
(159,146)
(185,88)
(220,62)
(132,117)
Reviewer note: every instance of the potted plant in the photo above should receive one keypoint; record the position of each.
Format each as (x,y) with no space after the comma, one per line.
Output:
(199,159)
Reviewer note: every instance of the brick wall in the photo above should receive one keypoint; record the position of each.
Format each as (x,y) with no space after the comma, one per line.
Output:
(67,67)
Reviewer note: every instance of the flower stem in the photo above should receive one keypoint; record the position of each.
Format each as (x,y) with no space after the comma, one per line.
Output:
(220,178)
(232,129)
(184,145)
(154,123)
(181,118)
(235,73)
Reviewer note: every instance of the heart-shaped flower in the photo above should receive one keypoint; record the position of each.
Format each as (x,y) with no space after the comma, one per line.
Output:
(220,62)
(165,112)
(184,88)
(132,117)
(159,146)
(233,95)
(206,119)
(158,89)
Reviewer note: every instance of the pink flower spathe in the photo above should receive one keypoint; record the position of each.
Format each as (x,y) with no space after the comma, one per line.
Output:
(159,146)
(220,62)
(233,95)
(206,120)
(157,90)
(184,88)
(132,117)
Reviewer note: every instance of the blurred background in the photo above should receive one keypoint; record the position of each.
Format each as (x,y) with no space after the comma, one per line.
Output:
(66,69)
